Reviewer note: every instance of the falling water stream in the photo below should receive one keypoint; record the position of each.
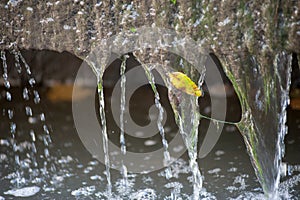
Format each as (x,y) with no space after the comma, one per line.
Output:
(167,158)
(122,109)
(104,133)
(188,119)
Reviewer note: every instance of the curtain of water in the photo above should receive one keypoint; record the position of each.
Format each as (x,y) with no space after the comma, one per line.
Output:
(264,96)
(122,109)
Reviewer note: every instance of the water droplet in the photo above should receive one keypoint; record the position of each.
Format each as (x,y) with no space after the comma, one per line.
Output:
(28,111)
(42,117)
(13,128)
(46,130)
(67,159)
(25,94)
(10,113)
(33,148)
(93,163)
(7,84)
(45,141)
(46,152)
(8,96)
(88,169)
(36,97)
(53,169)
(31,82)
(32,135)
(17,159)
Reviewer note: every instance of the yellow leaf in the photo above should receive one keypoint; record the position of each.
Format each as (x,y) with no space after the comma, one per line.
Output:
(183,83)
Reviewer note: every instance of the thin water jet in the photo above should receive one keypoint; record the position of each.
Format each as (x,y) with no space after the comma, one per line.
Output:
(161,129)
(104,133)
(122,109)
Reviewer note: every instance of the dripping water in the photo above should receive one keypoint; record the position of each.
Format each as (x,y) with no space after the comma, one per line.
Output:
(13,126)
(40,117)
